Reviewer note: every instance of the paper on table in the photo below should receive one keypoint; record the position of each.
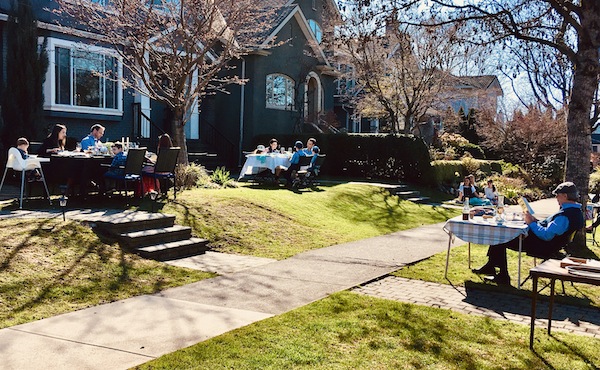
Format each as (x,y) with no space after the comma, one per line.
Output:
(525,205)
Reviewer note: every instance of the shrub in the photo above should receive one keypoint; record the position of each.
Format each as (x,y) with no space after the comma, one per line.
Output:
(595,181)
(514,188)
(222,178)
(190,176)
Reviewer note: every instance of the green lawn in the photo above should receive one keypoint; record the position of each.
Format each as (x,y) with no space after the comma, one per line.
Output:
(278,223)
(350,331)
(432,269)
(49,267)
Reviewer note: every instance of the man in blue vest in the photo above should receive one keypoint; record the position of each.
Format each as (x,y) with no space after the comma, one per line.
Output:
(96,133)
(544,238)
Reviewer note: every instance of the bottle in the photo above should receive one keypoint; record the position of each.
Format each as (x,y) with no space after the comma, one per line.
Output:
(466,210)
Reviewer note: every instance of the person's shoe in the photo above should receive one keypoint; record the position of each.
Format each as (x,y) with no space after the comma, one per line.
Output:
(589,229)
(501,279)
(486,269)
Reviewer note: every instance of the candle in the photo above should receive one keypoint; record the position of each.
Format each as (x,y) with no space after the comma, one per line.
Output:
(122,140)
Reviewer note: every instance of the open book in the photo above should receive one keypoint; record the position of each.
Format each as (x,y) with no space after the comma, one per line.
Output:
(525,205)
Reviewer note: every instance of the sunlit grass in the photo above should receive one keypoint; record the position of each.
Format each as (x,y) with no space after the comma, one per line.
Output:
(48,267)
(459,274)
(278,223)
(350,331)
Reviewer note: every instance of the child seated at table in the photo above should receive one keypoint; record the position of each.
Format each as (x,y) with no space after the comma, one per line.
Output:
(118,161)
(23,146)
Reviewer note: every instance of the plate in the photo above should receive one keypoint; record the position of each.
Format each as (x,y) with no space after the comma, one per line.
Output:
(591,272)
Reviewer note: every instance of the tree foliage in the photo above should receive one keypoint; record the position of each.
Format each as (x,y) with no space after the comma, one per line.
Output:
(176,52)
(401,70)
(567,29)
(26,66)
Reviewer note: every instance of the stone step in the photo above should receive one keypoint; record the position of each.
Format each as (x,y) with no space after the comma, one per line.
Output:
(141,238)
(173,250)
(120,224)
(418,199)
(405,194)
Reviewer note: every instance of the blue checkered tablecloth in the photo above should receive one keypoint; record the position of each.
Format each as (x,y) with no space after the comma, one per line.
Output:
(480,231)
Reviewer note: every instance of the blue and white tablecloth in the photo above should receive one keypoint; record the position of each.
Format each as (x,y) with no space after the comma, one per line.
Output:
(480,231)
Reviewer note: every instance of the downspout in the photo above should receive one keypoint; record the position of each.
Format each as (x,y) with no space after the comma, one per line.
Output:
(242,93)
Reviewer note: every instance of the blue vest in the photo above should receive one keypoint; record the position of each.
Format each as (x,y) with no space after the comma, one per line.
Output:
(576,222)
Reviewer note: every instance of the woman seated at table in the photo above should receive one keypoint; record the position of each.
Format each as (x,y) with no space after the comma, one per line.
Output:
(55,142)
(273,144)
(150,184)
(467,190)
(491,193)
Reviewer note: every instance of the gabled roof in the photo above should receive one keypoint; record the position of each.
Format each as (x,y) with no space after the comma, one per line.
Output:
(478,82)
(297,14)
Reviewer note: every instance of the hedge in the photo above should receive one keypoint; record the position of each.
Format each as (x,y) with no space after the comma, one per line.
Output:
(445,171)
(381,156)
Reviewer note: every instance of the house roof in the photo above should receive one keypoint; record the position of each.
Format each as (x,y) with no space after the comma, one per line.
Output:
(478,82)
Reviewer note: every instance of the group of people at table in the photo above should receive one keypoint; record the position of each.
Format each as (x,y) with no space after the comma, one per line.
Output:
(544,238)
(468,189)
(298,150)
(55,143)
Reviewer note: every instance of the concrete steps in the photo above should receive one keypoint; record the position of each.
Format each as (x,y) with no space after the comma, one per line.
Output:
(152,235)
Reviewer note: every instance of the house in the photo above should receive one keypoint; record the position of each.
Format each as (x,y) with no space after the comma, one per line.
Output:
(474,92)
(289,87)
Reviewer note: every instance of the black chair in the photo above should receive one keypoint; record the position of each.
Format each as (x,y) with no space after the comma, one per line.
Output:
(307,178)
(164,169)
(132,171)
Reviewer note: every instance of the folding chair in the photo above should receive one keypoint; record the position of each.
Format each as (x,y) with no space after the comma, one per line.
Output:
(17,163)
(164,169)
(132,171)
(307,177)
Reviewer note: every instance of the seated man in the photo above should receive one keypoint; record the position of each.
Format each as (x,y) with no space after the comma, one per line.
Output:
(96,133)
(310,143)
(290,172)
(545,237)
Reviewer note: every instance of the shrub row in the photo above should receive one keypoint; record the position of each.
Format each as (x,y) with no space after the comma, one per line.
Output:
(452,172)
(394,157)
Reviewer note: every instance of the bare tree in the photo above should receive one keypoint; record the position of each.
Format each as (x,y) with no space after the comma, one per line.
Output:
(176,52)
(569,28)
(402,70)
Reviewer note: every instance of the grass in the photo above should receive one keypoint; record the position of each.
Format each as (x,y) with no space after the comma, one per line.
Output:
(350,331)
(278,223)
(49,267)
(432,269)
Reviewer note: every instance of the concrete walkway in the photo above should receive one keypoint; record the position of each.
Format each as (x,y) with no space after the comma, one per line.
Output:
(126,333)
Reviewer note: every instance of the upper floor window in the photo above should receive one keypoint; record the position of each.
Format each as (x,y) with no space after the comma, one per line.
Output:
(316,30)
(280,92)
(83,79)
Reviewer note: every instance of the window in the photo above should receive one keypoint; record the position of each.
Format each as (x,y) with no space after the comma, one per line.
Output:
(316,30)
(83,79)
(280,92)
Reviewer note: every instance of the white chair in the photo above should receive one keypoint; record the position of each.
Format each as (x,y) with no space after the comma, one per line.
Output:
(17,163)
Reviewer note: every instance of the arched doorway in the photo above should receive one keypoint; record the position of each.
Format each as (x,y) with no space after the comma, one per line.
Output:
(313,96)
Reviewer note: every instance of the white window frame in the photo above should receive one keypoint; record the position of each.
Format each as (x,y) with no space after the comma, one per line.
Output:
(50,83)
(314,27)
(290,90)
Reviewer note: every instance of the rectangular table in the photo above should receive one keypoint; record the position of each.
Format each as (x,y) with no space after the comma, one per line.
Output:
(551,269)
(481,231)
(254,162)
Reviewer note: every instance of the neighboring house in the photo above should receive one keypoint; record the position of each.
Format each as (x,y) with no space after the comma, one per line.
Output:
(474,92)
(289,87)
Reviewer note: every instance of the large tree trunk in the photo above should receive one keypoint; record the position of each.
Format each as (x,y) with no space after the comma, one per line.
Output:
(585,83)
(177,126)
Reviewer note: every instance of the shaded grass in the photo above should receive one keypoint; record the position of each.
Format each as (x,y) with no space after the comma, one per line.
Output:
(48,267)
(350,331)
(278,223)
(432,269)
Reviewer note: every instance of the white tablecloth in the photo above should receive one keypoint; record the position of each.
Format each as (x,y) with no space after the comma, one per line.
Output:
(480,231)
(256,162)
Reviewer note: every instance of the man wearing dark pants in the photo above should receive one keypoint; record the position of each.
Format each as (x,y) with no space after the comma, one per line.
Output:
(544,238)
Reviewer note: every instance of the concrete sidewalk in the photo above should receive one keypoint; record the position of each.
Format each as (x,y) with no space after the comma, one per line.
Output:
(126,333)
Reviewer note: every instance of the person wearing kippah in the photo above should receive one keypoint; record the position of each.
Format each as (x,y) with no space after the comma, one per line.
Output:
(544,238)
